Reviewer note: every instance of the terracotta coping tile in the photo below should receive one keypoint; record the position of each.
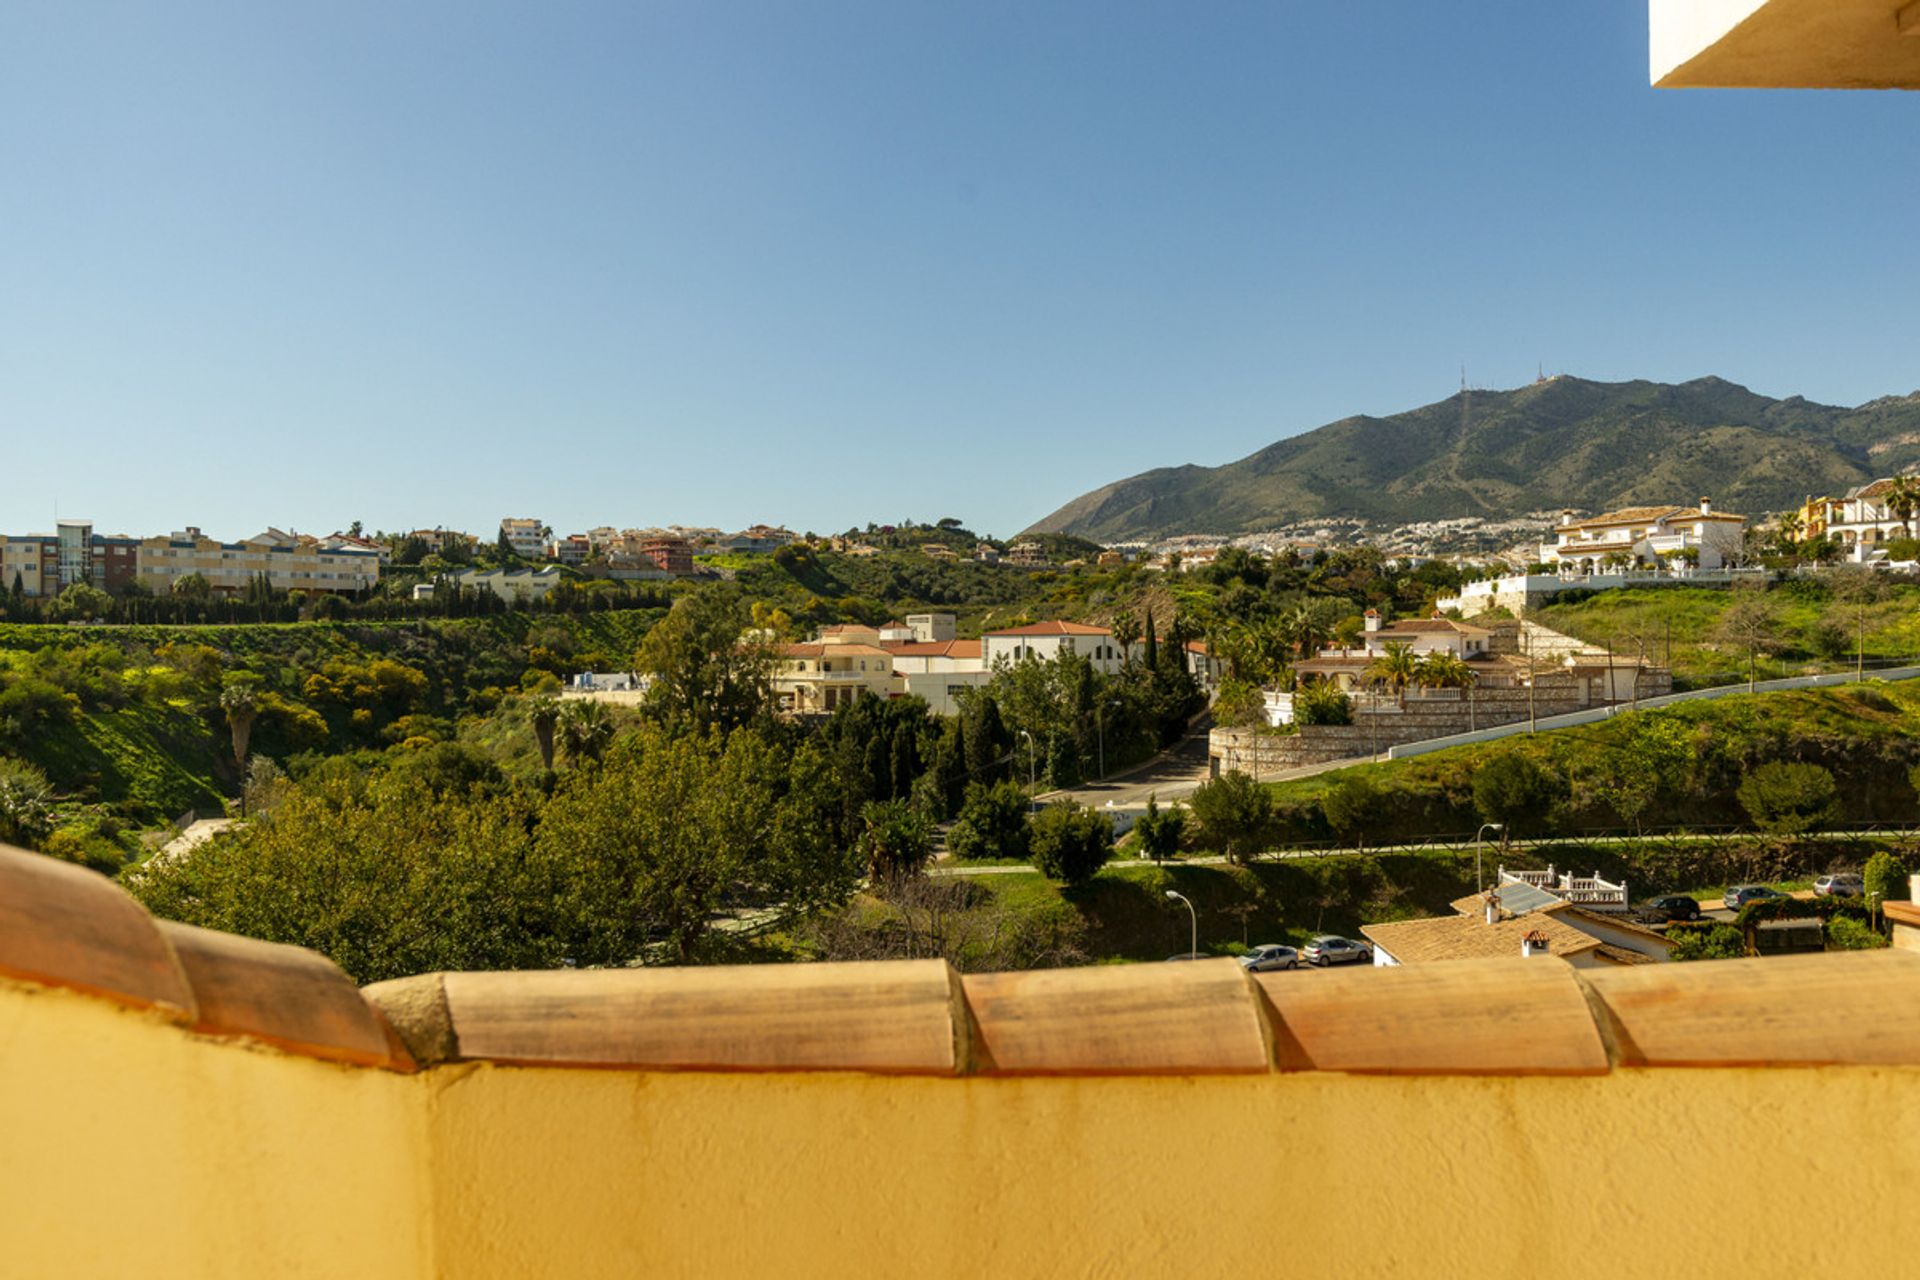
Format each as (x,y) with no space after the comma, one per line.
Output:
(1199,1016)
(1463,1017)
(869,1016)
(287,996)
(1840,1008)
(65,926)
(1902,912)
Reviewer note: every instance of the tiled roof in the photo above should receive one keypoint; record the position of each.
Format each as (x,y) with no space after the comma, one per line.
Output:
(1470,937)
(63,926)
(931,648)
(804,650)
(1431,626)
(845,628)
(1053,629)
(1620,955)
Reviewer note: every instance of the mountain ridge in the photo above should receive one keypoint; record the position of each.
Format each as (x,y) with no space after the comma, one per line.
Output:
(1560,442)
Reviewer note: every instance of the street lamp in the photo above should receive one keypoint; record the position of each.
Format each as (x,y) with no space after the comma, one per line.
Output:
(1479,881)
(1193,915)
(1030,768)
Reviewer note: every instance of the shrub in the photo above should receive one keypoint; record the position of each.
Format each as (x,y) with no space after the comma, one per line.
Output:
(1786,799)
(1234,811)
(1318,702)
(1886,877)
(1070,842)
(1844,933)
(1707,942)
(26,801)
(1160,831)
(993,823)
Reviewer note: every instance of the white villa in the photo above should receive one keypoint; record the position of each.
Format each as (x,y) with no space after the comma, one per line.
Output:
(1644,536)
(1863,519)
(1048,640)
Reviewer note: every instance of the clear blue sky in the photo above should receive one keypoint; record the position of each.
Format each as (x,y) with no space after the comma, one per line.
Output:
(724,261)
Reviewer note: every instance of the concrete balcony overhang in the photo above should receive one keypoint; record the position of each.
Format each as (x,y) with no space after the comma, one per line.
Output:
(1784,44)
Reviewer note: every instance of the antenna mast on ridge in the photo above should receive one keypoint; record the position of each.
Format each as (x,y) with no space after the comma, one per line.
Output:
(1466,402)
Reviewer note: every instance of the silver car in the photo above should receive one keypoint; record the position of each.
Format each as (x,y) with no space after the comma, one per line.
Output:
(1841,884)
(1331,948)
(1271,956)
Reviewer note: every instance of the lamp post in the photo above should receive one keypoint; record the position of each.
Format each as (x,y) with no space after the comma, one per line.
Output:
(1031,783)
(1479,881)
(1192,915)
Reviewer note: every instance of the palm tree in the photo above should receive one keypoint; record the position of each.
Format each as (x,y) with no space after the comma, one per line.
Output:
(585,730)
(238,701)
(1311,625)
(546,712)
(1396,667)
(1126,630)
(1902,500)
(1443,670)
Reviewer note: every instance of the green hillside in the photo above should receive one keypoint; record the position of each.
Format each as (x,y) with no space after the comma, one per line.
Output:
(1564,442)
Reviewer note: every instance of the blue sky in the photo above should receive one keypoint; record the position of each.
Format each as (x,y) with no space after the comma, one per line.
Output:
(725,261)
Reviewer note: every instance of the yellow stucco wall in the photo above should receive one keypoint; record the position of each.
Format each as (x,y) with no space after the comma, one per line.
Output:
(129,1147)
(1638,1174)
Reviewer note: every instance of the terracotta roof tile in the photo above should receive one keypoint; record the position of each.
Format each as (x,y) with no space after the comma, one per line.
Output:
(1053,629)
(1469,937)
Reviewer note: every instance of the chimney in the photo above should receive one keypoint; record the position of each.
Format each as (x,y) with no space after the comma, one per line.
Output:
(1493,907)
(1566,515)
(1706,506)
(1373,619)
(1534,944)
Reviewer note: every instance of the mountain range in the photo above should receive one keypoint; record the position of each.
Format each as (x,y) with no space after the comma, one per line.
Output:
(1560,442)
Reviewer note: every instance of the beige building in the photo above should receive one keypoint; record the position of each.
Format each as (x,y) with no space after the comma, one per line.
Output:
(228,567)
(822,675)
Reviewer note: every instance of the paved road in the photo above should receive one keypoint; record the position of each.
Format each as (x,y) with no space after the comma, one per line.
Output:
(1171,775)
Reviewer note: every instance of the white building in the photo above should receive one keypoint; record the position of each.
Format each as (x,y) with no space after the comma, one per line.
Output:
(528,538)
(1645,536)
(1046,641)
(513,584)
(1863,520)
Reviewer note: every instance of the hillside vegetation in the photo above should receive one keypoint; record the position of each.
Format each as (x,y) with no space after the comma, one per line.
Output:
(1565,442)
(1678,766)
(1811,625)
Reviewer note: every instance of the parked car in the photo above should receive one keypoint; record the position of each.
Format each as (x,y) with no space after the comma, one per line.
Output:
(1263,959)
(1330,948)
(1841,884)
(1672,906)
(1740,896)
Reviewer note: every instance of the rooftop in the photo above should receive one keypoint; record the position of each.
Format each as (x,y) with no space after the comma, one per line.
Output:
(1053,629)
(1470,937)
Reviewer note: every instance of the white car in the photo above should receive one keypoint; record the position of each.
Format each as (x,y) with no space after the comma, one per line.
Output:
(1271,956)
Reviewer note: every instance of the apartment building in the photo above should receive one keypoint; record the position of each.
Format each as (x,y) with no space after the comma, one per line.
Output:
(45,564)
(528,537)
(228,567)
